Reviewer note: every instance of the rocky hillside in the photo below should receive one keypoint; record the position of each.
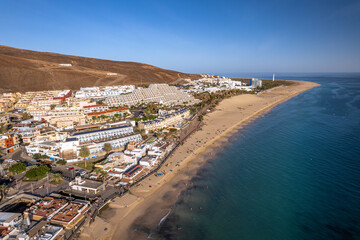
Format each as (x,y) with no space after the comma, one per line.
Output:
(25,70)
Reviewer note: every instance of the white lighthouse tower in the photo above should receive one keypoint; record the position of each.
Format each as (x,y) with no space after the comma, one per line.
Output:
(273,76)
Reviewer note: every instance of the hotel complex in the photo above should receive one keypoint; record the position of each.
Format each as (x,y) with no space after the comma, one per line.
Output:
(168,120)
(155,93)
(95,140)
(107,91)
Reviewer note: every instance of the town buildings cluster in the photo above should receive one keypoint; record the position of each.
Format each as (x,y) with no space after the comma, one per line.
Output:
(8,100)
(214,84)
(44,218)
(120,131)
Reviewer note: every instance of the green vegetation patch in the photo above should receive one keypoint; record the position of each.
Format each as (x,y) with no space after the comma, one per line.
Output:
(268,84)
(57,179)
(37,173)
(17,168)
(57,182)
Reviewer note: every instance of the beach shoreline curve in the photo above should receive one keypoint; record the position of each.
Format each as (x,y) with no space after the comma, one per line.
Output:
(155,195)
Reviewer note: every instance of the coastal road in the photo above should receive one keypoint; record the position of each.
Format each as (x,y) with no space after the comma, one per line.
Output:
(20,155)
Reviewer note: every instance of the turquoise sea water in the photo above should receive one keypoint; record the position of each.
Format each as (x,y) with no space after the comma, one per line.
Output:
(292,174)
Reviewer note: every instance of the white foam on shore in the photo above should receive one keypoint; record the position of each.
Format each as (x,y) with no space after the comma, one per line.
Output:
(160,222)
(163,218)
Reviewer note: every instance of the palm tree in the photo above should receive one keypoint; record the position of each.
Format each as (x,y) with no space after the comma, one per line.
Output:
(3,190)
(26,116)
(104,174)
(107,147)
(3,128)
(98,172)
(93,119)
(84,153)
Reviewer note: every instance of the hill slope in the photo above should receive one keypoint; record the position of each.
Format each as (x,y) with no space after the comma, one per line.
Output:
(25,70)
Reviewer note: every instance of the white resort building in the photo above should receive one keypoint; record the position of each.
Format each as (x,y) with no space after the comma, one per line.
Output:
(95,140)
(107,91)
(170,119)
(102,134)
(155,93)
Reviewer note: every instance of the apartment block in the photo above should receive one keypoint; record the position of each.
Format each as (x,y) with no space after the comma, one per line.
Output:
(165,121)
(8,100)
(96,108)
(106,91)
(5,120)
(155,93)
(110,112)
(38,99)
(48,148)
(63,95)
(95,140)
(9,142)
(67,121)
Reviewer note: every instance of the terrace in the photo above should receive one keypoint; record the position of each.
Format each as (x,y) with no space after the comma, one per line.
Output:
(47,207)
(100,130)
(74,210)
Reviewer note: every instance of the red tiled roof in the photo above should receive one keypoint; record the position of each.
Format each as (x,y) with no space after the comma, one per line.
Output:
(3,231)
(68,213)
(48,206)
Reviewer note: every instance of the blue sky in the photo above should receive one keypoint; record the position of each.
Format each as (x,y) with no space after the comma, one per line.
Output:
(193,36)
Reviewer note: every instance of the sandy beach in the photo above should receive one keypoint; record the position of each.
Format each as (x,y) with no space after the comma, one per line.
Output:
(135,214)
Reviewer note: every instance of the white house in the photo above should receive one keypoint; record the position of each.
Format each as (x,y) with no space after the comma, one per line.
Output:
(88,186)
(50,149)
(148,162)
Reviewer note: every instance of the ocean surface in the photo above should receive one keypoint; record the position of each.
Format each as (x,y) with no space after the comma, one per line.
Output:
(292,174)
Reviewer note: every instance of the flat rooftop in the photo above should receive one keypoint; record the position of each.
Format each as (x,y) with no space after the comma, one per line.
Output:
(131,171)
(68,213)
(100,130)
(90,184)
(8,216)
(48,206)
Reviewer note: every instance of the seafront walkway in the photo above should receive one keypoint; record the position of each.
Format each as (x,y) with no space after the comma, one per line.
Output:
(124,201)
